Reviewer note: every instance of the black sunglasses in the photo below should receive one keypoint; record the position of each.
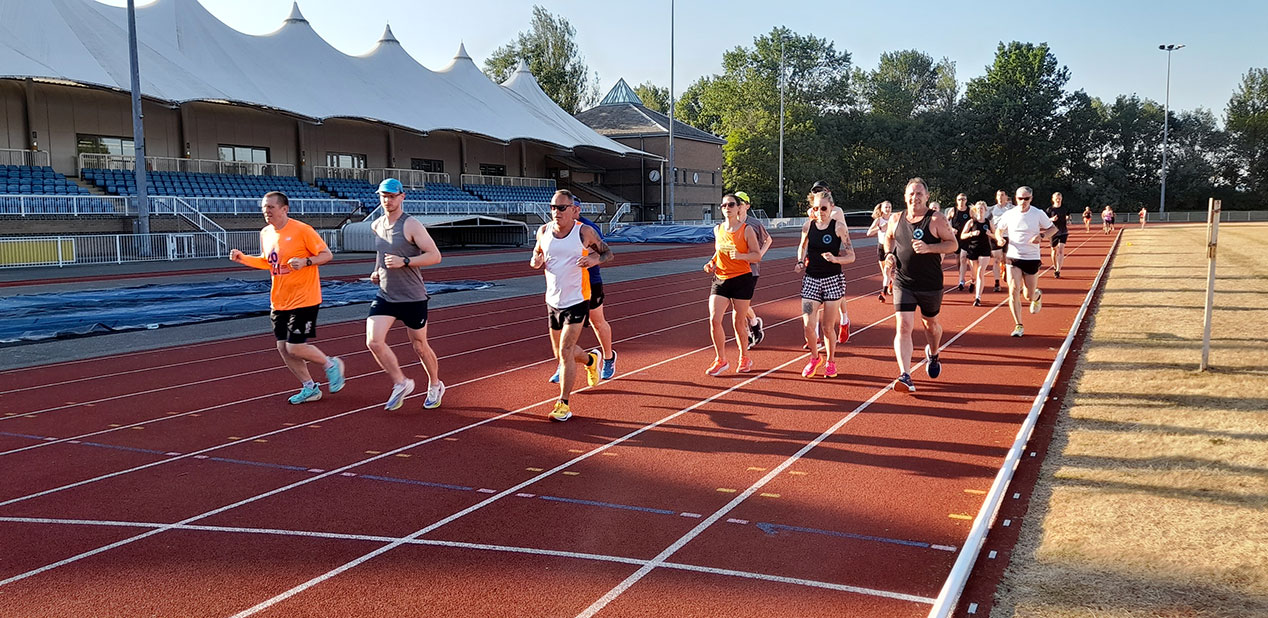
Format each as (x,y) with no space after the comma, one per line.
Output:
(560,208)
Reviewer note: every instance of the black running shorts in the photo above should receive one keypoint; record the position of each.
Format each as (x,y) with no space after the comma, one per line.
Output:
(1059,239)
(295,325)
(413,315)
(596,294)
(576,314)
(929,302)
(735,288)
(1027,267)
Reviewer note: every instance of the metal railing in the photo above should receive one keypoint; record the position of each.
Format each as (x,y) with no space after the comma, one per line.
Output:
(249,205)
(430,207)
(1184,216)
(183,209)
(375,175)
(33,158)
(175,164)
(506,181)
(30,251)
(42,205)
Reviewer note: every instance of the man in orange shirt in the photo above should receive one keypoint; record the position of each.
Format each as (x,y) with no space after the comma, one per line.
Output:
(291,250)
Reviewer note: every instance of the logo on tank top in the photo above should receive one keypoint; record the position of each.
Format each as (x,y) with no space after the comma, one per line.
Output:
(918,234)
(827,239)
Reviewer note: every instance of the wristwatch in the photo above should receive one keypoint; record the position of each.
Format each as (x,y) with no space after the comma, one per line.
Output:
(308,261)
(407,260)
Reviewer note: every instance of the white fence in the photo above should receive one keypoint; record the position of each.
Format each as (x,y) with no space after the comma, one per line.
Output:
(76,205)
(506,181)
(251,205)
(120,248)
(36,158)
(175,164)
(426,207)
(1187,216)
(375,175)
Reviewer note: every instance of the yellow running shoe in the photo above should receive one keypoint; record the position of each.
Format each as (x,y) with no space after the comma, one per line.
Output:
(592,370)
(561,412)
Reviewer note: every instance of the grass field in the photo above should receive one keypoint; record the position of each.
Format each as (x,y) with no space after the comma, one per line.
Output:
(1153,500)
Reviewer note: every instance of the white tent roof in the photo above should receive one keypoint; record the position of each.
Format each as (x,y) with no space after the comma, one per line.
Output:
(186,54)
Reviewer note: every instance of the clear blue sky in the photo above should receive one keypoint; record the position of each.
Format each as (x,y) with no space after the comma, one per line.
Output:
(1110,46)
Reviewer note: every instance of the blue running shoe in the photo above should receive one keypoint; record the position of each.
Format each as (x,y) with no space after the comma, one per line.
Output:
(609,367)
(309,393)
(555,378)
(334,375)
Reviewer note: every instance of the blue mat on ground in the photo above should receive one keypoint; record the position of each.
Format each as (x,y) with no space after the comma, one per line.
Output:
(69,314)
(662,233)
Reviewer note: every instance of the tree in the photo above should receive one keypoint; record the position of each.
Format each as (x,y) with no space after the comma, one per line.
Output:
(906,83)
(1246,120)
(655,98)
(551,51)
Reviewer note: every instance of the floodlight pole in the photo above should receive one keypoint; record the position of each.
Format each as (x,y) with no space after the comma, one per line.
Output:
(780,189)
(1166,116)
(673,171)
(138,129)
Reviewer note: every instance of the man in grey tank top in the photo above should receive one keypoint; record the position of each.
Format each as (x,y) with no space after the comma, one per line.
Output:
(403,246)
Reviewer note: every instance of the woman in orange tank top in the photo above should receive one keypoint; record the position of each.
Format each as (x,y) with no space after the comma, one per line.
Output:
(735,248)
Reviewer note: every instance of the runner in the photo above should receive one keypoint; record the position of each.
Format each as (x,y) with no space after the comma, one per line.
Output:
(288,248)
(566,248)
(843,336)
(764,240)
(1107,219)
(598,321)
(915,242)
(1143,214)
(1087,219)
(1060,217)
(735,248)
(825,246)
(1002,205)
(403,247)
(958,219)
(1024,227)
(974,242)
(880,222)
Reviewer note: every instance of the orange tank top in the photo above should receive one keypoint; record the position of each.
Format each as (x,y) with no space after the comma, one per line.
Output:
(724,266)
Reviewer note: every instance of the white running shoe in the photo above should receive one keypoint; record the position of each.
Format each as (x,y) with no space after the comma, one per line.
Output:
(434,395)
(399,393)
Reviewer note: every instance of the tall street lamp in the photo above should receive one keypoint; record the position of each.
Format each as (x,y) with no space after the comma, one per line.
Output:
(1166,113)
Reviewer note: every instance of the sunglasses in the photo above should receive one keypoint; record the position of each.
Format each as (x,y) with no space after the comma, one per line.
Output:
(730,204)
(560,207)
(1023,199)
(821,208)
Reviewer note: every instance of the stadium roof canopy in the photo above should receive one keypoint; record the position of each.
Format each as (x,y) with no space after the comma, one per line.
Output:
(187,54)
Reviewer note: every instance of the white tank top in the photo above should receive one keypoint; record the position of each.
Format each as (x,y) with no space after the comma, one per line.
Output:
(566,283)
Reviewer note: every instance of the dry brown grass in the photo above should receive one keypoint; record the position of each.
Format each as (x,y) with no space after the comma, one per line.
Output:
(1153,500)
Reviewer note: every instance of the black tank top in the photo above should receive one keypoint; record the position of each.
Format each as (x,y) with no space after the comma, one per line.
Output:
(981,242)
(915,271)
(817,242)
(960,218)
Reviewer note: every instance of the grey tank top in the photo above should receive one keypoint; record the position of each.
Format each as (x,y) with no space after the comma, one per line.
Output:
(397,285)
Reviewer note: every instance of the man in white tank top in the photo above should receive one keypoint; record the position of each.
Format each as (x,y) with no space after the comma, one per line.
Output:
(566,248)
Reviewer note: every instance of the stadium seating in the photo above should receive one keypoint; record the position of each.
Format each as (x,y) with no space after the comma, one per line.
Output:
(195,184)
(29,180)
(365,191)
(498,193)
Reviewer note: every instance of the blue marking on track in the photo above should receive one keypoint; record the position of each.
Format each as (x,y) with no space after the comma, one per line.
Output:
(414,482)
(773,529)
(21,435)
(610,505)
(257,463)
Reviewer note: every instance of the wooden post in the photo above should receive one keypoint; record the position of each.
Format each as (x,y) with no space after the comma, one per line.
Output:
(1212,237)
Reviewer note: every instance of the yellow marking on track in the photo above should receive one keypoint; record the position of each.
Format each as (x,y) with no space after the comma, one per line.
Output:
(288,424)
(404,455)
(534,469)
(451,439)
(571,473)
(260,440)
(756,469)
(608,454)
(137,427)
(374,452)
(235,437)
(769,495)
(115,425)
(797,473)
(421,436)
(194,414)
(727,490)
(575,450)
(171,413)
(959,516)
(976,492)
(315,426)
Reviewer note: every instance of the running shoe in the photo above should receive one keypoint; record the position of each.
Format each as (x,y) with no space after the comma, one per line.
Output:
(844,337)
(1057,274)
(755,333)
(717,367)
(997,285)
(960,287)
(1018,331)
(1037,302)
(334,375)
(905,380)
(561,412)
(971,286)
(829,369)
(434,395)
(881,296)
(811,367)
(592,370)
(609,367)
(745,365)
(309,393)
(555,378)
(977,302)
(933,366)
(399,393)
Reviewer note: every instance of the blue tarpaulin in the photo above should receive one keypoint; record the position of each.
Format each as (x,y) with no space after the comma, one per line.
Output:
(662,233)
(85,312)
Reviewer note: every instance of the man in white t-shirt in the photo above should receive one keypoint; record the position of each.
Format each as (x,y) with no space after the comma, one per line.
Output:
(1024,228)
(1002,205)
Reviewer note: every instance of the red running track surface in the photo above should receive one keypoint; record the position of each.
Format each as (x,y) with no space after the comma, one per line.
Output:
(180,482)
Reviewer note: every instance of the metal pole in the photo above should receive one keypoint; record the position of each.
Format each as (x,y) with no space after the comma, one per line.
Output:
(1212,238)
(673,171)
(138,128)
(780,189)
(1166,113)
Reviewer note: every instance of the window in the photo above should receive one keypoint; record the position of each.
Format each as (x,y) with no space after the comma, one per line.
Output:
(347,160)
(427,165)
(492,170)
(244,154)
(102,144)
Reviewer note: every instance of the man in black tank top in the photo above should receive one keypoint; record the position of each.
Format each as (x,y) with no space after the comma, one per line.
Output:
(914,242)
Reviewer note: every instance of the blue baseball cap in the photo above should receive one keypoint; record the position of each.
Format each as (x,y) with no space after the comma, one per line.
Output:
(391,185)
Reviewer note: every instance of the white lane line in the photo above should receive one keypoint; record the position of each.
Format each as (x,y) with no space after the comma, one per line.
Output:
(477,546)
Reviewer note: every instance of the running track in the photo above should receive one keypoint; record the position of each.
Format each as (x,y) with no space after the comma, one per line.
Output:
(180,482)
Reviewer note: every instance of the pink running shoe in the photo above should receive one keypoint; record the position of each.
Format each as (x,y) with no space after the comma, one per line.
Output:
(717,367)
(812,367)
(829,369)
(746,365)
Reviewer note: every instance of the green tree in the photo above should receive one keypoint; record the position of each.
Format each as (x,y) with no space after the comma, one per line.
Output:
(550,48)
(655,98)
(906,83)
(1246,119)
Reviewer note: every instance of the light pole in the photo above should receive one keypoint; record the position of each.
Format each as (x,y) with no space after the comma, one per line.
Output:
(1166,113)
